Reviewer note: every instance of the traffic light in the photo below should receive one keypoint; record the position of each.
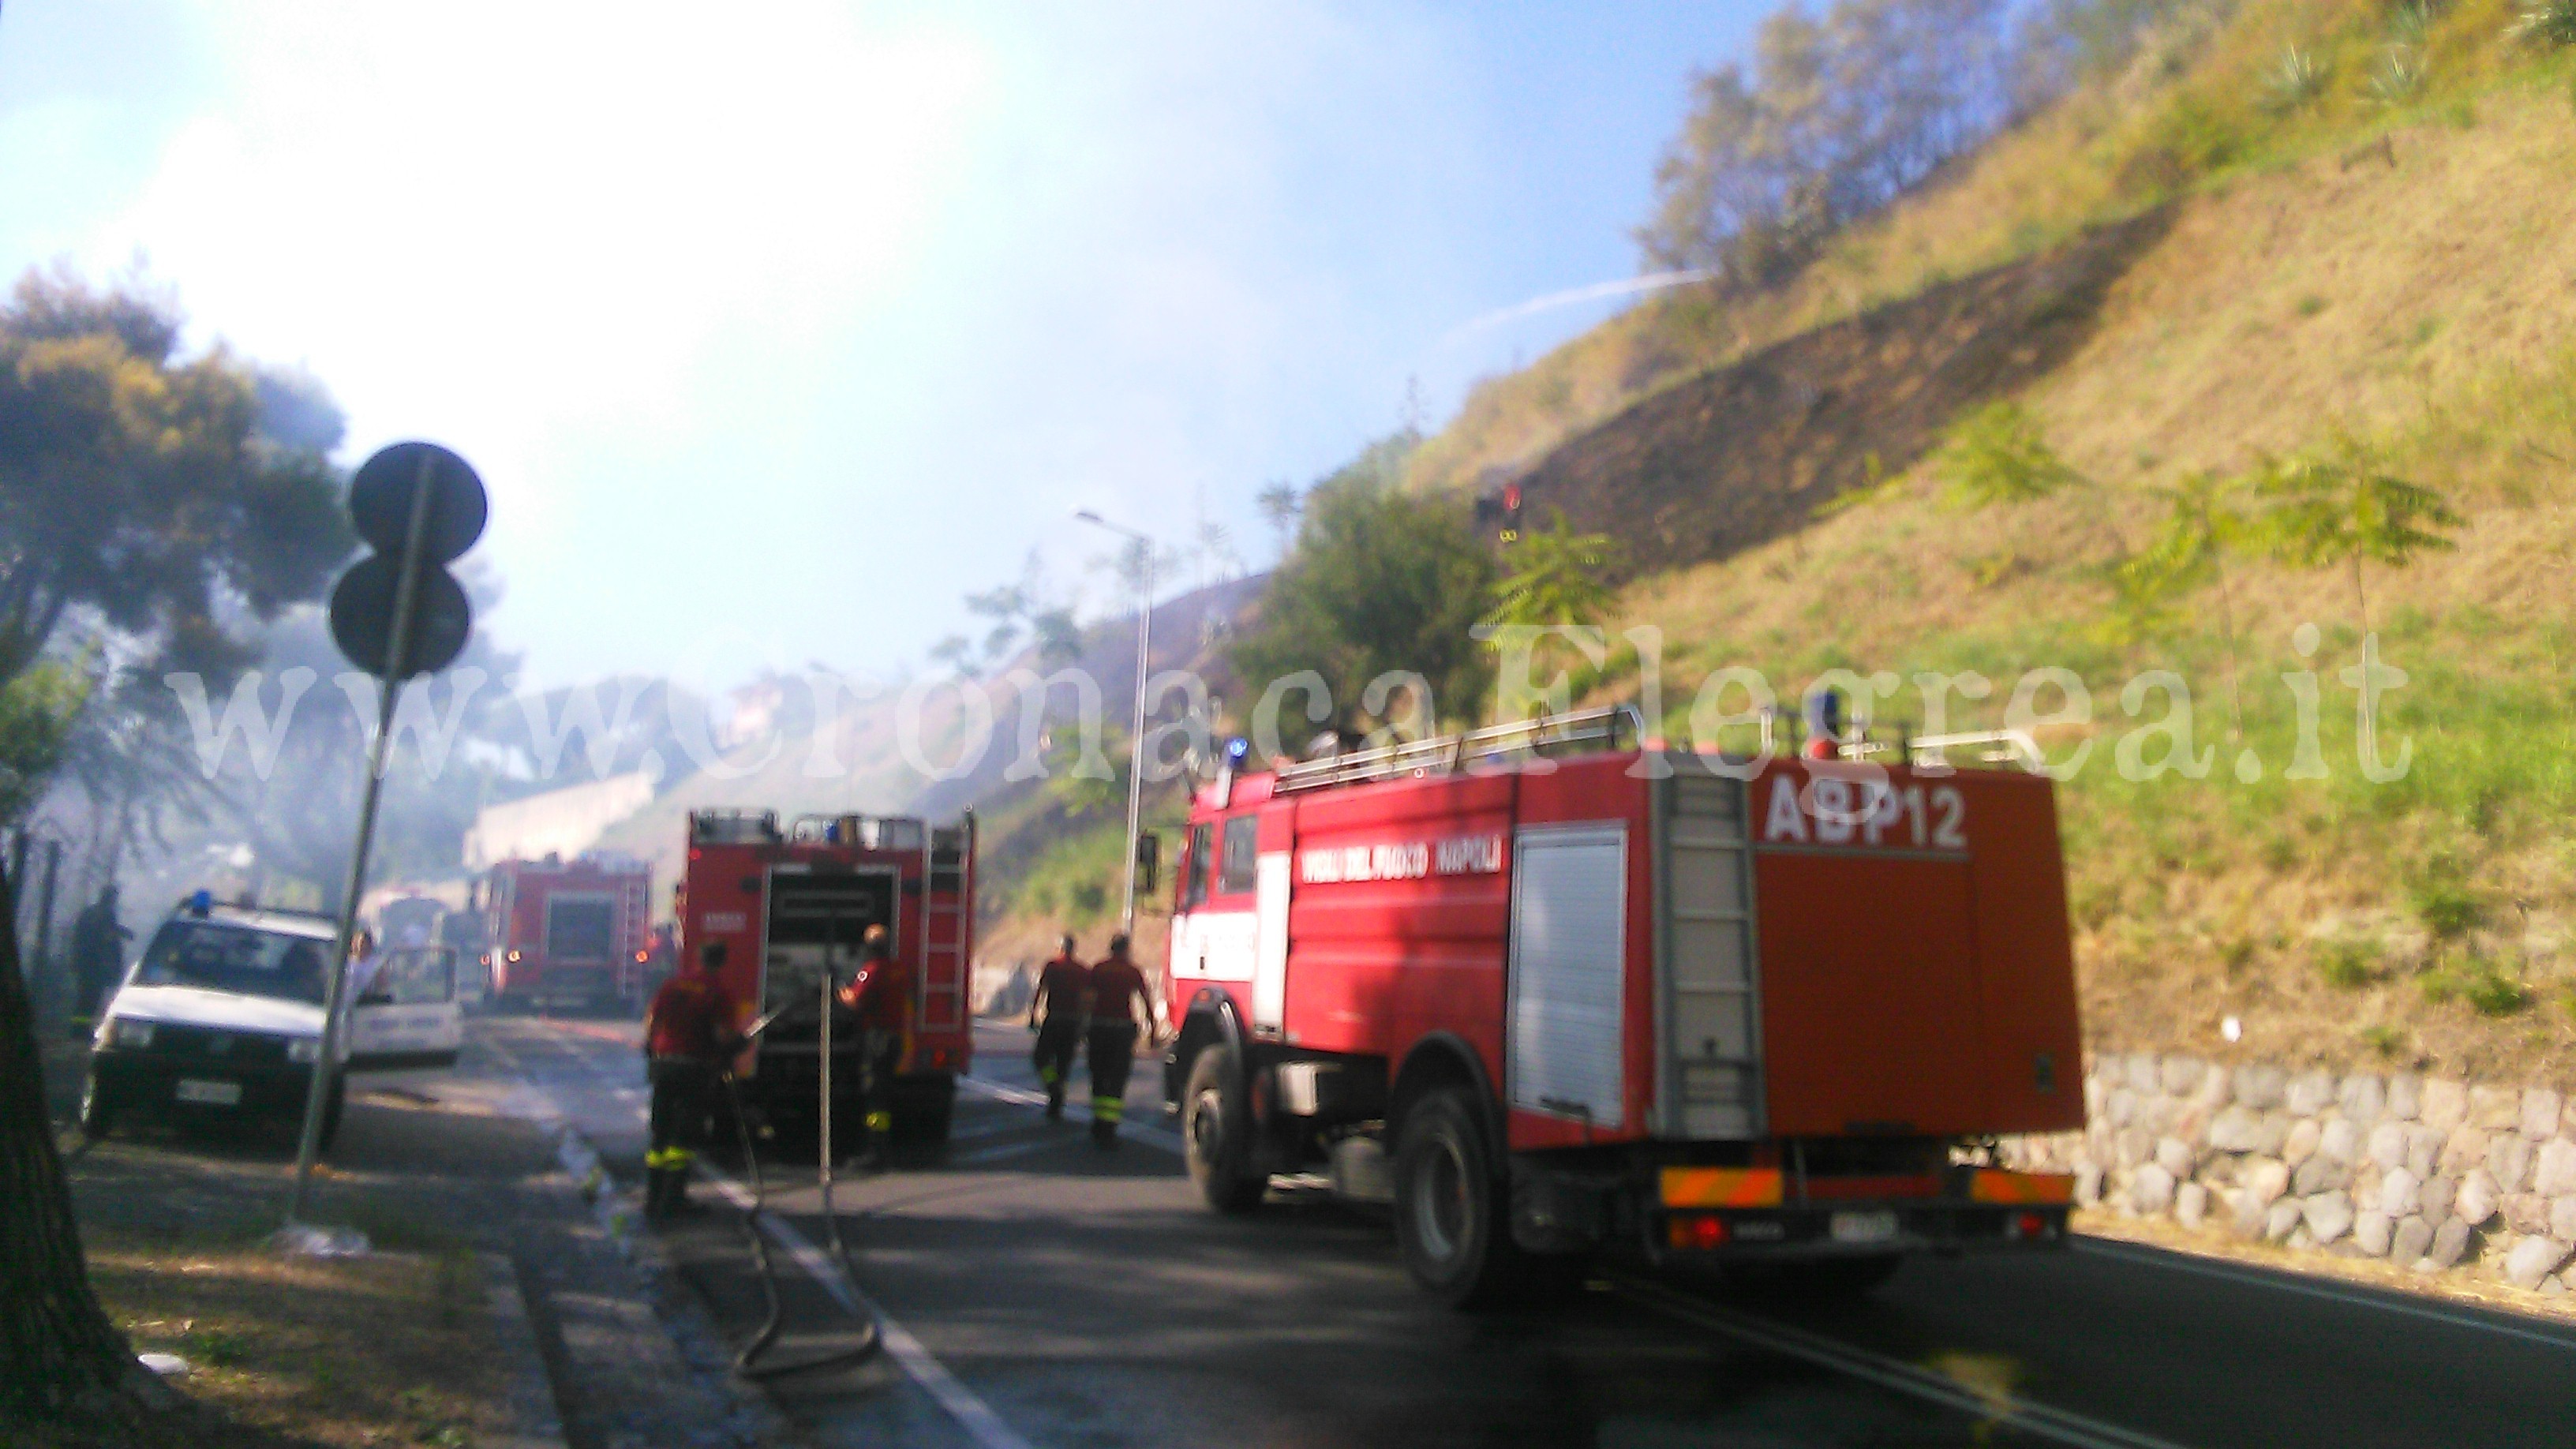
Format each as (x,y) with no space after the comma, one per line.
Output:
(1511,512)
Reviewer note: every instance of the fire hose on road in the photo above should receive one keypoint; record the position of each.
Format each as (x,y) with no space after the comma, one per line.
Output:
(747,1361)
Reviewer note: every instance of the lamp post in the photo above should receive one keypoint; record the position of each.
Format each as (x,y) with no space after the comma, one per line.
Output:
(1136,731)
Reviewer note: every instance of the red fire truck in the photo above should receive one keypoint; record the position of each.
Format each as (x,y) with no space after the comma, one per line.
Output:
(1765,1015)
(566,931)
(791,905)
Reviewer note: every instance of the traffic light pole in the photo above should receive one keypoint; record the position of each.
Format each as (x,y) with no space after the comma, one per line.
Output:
(326,1064)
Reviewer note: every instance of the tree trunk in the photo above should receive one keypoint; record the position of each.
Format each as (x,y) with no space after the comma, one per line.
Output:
(58,1351)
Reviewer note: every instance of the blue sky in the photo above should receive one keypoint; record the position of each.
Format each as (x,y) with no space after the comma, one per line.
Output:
(776,328)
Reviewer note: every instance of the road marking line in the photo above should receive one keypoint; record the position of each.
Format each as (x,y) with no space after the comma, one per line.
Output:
(971,1413)
(2186,1263)
(2033,1418)
(1162,1137)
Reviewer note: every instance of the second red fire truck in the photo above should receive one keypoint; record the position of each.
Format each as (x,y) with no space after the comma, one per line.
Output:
(790,905)
(567,932)
(1766,1015)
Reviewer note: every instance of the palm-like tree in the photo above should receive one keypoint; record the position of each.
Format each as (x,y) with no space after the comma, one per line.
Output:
(2336,510)
(1999,455)
(2203,524)
(1280,506)
(1559,578)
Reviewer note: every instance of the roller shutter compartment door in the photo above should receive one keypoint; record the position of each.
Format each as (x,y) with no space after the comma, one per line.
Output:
(1569,900)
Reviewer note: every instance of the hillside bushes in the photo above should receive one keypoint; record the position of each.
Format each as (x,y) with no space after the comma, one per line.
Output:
(1381,584)
(1837,117)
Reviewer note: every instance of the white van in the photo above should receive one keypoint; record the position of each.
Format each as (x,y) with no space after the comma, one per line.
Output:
(221,1016)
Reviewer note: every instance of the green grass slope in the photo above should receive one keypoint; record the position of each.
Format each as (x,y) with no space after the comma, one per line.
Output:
(2338,264)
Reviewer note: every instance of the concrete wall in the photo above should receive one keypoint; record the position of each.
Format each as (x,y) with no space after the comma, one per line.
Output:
(560,822)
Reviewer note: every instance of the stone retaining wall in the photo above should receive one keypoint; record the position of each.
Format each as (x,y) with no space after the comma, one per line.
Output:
(2424,1172)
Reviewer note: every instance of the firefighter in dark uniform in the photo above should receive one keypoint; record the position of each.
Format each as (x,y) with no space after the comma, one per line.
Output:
(688,1035)
(881,996)
(1064,987)
(98,953)
(1119,1001)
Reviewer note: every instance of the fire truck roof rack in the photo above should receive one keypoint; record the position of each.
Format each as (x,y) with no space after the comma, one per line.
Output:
(1444,754)
(868,832)
(1987,747)
(732,827)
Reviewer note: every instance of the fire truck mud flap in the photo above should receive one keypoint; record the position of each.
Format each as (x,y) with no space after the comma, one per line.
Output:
(1556,1210)
(923,1104)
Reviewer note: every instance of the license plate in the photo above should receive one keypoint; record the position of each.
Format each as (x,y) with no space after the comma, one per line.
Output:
(1877,1227)
(211,1094)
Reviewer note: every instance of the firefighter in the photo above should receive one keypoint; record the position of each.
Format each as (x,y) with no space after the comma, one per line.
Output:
(1063,984)
(1119,1000)
(881,995)
(98,951)
(688,1035)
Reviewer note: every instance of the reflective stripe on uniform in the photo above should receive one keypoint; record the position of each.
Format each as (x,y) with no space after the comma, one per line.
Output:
(880,1121)
(1108,1109)
(1050,1075)
(670,1157)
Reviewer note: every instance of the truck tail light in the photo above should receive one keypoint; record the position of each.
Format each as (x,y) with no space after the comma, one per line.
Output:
(1703,1230)
(2026,1225)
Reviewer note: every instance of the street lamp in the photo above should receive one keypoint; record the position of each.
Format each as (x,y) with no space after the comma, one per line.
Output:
(1136,733)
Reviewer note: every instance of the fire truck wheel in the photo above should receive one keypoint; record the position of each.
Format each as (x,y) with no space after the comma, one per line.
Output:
(1450,1208)
(1216,1131)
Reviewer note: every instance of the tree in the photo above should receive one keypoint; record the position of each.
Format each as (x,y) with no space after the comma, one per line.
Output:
(136,490)
(140,506)
(1998,456)
(1558,578)
(298,816)
(1380,580)
(1280,505)
(61,1359)
(2326,511)
(2203,524)
(37,710)
(1839,115)
(1029,609)
(1213,548)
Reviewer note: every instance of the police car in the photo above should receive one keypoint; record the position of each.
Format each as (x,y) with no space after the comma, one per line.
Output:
(221,1017)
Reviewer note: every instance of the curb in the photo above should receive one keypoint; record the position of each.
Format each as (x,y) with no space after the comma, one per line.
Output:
(685,1326)
(535,1422)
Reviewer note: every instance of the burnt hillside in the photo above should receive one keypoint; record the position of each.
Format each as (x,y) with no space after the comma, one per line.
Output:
(1744,453)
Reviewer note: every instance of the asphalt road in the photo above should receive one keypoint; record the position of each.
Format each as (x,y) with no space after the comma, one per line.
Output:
(1034,1290)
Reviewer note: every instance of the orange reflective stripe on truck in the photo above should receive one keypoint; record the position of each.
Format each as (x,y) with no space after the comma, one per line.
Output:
(2021,1188)
(1716,1187)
